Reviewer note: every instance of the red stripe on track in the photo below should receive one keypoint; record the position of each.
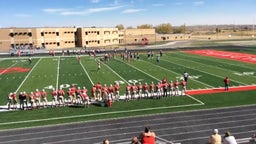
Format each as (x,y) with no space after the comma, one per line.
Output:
(249,58)
(220,90)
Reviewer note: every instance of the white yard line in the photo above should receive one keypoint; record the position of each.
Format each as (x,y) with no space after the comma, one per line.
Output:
(178,74)
(27,75)
(58,72)
(88,115)
(207,72)
(86,73)
(195,99)
(116,73)
(141,70)
(8,68)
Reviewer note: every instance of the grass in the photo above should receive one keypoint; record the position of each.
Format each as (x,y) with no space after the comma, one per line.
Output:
(54,72)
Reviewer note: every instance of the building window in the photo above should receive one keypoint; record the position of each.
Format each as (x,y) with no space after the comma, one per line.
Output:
(135,40)
(58,44)
(98,42)
(57,34)
(98,33)
(42,34)
(11,34)
(86,33)
(86,42)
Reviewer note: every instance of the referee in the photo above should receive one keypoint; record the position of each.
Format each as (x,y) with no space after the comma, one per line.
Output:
(185,76)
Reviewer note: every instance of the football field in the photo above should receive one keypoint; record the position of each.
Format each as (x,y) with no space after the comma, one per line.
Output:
(206,74)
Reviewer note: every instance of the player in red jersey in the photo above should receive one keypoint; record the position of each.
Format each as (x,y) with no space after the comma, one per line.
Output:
(176,87)
(85,97)
(94,92)
(117,90)
(171,88)
(54,97)
(61,95)
(128,92)
(70,96)
(44,98)
(79,58)
(104,92)
(73,93)
(159,90)
(98,91)
(226,82)
(111,91)
(14,100)
(32,100)
(184,87)
(134,91)
(37,94)
(78,95)
(145,90)
(139,87)
(152,89)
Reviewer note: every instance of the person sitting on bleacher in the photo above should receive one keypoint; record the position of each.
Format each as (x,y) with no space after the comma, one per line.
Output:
(148,137)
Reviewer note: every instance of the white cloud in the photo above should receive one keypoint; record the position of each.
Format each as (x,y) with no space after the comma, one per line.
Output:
(133,10)
(95,1)
(90,11)
(22,15)
(199,3)
(54,10)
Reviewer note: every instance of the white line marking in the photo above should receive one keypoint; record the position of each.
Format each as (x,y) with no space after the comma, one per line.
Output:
(27,75)
(207,72)
(116,73)
(140,70)
(195,99)
(178,74)
(93,114)
(58,72)
(86,73)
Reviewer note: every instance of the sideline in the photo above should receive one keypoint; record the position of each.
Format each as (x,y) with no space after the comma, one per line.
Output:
(97,114)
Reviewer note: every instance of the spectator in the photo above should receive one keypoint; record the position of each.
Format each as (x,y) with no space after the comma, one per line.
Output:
(226,82)
(229,139)
(135,140)
(106,141)
(148,137)
(215,138)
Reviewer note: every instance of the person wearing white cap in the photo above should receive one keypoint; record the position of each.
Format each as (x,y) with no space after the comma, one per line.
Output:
(215,138)
(229,139)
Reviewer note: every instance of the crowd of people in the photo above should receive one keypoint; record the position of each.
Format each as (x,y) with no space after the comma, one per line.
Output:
(99,92)
(216,138)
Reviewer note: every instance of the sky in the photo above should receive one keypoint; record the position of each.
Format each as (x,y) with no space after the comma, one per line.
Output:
(130,13)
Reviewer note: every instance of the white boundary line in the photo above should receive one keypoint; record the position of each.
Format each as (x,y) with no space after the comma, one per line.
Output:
(115,73)
(140,70)
(27,75)
(201,58)
(205,71)
(8,68)
(178,74)
(97,114)
(195,99)
(58,72)
(86,72)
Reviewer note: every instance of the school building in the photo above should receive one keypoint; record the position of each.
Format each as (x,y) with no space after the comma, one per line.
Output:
(71,37)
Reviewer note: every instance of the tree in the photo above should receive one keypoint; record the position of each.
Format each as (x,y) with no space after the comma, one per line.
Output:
(180,29)
(129,27)
(164,28)
(145,26)
(120,27)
